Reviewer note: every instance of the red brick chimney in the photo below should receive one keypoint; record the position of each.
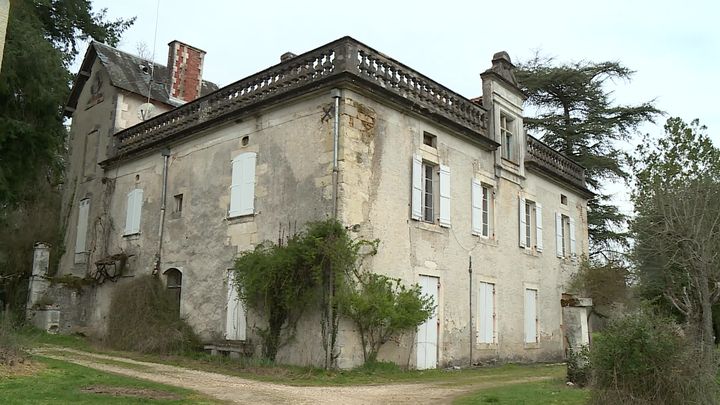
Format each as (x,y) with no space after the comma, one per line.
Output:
(185,65)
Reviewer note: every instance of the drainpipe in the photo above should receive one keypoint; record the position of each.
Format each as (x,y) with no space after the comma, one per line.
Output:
(335,93)
(166,155)
(470,288)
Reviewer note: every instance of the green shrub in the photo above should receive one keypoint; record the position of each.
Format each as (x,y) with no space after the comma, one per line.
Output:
(144,318)
(383,308)
(646,359)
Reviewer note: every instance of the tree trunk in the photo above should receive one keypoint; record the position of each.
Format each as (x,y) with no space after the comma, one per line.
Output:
(708,341)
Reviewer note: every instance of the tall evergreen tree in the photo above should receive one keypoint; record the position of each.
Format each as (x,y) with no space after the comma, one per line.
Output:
(41,42)
(576,115)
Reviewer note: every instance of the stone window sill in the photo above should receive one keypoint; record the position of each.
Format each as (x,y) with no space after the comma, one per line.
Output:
(239,219)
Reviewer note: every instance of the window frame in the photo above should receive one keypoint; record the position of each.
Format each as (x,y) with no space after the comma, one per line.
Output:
(431,169)
(482,208)
(507,137)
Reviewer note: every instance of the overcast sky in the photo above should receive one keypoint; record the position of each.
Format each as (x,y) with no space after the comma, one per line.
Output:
(674,46)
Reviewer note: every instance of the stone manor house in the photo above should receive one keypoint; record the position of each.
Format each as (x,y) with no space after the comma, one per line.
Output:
(170,175)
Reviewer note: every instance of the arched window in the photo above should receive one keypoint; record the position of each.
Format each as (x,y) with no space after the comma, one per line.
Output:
(174,286)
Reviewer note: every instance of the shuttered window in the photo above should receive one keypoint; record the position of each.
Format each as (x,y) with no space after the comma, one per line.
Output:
(82,224)
(417,211)
(538,227)
(430,192)
(530,315)
(523,222)
(444,196)
(134,211)
(242,189)
(559,235)
(481,199)
(486,313)
(566,244)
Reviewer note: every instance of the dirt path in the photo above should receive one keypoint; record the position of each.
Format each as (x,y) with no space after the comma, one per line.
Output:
(241,390)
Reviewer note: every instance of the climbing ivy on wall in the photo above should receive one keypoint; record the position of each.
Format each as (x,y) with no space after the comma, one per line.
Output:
(284,280)
(281,281)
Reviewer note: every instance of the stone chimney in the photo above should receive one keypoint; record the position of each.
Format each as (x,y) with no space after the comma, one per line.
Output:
(185,65)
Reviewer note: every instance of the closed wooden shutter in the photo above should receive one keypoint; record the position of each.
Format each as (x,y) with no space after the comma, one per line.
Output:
(134,211)
(530,316)
(82,224)
(416,202)
(476,207)
(487,313)
(242,189)
(559,235)
(522,223)
(538,227)
(444,196)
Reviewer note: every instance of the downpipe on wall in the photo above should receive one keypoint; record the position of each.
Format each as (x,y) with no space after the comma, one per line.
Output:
(335,94)
(161,228)
(470,311)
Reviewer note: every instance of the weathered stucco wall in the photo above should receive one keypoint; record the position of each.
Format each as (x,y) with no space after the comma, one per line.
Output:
(293,186)
(378,144)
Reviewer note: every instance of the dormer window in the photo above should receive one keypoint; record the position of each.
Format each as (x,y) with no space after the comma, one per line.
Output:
(507,136)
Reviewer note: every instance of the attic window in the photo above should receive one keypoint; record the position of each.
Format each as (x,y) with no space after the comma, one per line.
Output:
(430,140)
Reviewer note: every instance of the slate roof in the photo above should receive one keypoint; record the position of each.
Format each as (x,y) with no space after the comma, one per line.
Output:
(128,72)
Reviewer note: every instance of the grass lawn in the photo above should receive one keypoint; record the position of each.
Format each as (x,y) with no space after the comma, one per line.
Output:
(59,382)
(551,392)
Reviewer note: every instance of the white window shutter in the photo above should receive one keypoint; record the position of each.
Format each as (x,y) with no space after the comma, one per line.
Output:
(235,322)
(538,227)
(235,187)
(530,316)
(444,196)
(523,230)
(558,235)
(137,210)
(573,250)
(81,237)
(130,213)
(242,188)
(487,311)
(476,213)
(490,315)
(247,186)
(482,310)
(416,188)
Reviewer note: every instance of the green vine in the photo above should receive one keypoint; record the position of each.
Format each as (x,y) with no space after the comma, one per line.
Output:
(321,268)
(281,281)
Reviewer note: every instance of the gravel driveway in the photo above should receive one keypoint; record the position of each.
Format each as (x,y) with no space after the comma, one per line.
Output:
(241,390)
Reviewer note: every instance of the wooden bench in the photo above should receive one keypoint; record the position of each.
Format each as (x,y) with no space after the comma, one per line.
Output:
(230,348)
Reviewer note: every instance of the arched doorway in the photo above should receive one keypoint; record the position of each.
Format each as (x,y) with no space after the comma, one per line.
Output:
(174,286)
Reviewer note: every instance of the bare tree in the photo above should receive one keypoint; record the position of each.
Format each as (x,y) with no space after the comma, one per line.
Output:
(677,227)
